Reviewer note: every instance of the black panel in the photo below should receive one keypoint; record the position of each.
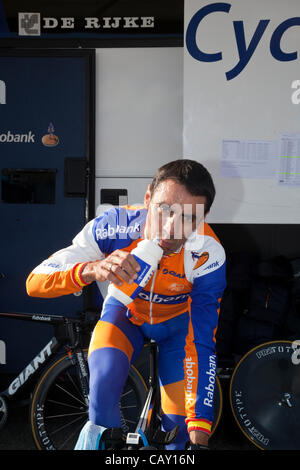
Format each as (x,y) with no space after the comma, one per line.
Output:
(75,177)
(114,197)
(26,186)
(263,240)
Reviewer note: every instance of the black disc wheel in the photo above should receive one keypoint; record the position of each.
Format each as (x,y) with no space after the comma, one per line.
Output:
(265,396)
(58,409)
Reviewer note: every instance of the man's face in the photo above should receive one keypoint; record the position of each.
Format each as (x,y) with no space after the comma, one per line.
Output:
(173,214)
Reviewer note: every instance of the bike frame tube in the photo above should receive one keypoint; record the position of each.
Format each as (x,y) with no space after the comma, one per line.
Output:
(152,390)
(42,318)
(32,368)
(43,356)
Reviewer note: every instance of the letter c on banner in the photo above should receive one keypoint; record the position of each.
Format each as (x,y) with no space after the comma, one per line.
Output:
(276,38)
(191,43)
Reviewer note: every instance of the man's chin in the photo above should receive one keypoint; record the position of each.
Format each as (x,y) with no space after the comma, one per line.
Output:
(169,246)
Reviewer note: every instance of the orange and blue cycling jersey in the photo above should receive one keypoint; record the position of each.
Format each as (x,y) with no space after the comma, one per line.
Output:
(178,308)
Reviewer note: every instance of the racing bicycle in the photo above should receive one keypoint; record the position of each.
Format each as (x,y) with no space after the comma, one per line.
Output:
(59,402)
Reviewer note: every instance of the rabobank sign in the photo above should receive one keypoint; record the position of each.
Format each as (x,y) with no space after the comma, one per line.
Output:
(10,137)
(246,46)
(2,92)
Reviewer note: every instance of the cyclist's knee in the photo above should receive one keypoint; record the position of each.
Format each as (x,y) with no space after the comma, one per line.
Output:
(107,335)
(109,368)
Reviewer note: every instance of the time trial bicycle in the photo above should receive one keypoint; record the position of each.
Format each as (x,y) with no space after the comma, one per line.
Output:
(59,401)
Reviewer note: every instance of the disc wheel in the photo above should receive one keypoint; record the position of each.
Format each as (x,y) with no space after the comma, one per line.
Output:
(265,396)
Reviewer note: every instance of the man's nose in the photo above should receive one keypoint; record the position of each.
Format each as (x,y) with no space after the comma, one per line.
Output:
(170,226)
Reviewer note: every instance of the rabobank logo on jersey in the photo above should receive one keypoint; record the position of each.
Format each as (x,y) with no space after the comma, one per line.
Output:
(119,223)
(163,299)
(215,264)
(246,46)
(118,231)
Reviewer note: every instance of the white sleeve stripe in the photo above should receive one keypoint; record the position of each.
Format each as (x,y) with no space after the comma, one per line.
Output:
(48,268)
(83,249)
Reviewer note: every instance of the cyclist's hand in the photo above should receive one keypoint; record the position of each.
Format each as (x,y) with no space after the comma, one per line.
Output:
(119,266)
(199,437)
(198,440)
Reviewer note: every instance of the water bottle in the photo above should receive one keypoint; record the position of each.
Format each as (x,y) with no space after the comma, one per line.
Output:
(148,254)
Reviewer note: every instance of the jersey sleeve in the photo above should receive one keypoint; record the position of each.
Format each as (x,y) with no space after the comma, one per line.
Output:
(60,274)
(208,276)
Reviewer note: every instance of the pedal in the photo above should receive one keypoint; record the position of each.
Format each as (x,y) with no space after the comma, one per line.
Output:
(160,437)
(133,438)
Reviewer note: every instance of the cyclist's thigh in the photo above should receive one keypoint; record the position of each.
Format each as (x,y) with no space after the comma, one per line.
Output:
(171,371)
(115,330)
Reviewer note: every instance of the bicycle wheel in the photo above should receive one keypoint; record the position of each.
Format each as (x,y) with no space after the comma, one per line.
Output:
(265,396)
(58,410)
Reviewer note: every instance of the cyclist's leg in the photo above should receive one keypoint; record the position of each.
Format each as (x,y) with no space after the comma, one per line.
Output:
(115,343)
(170,337)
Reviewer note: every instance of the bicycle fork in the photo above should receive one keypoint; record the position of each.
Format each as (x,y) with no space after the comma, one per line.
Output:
(77,358)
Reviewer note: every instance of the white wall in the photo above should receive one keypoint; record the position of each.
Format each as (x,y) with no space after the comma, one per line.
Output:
(255,105)
(139,116)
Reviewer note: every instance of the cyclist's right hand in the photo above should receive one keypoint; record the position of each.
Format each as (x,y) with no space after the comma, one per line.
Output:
(117,267)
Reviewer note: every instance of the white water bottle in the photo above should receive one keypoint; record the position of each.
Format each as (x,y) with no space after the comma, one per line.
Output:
(148,254)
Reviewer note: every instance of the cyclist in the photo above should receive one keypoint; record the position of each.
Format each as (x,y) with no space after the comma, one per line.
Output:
(178,308)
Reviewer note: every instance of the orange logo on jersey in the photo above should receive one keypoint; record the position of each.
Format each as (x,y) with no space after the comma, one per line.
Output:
(176,287)
(202,259)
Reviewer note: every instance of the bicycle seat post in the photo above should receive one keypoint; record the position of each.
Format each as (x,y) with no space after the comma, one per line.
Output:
(153,363)
(72,333)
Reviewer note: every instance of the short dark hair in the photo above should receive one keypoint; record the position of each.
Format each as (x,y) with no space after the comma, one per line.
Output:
(191,174)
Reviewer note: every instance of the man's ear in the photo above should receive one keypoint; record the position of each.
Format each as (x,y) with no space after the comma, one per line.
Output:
(147,197)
